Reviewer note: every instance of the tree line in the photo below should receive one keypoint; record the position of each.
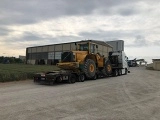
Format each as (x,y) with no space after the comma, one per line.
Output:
(10,60)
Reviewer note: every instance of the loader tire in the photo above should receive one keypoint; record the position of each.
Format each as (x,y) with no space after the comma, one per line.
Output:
(107,69)
(90,68)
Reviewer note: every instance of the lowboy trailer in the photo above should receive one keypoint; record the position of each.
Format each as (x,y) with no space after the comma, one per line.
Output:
(85,63)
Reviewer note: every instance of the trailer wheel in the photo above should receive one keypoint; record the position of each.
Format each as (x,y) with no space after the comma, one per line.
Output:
(107,69)
(81,78)
(35,79)
(72,78)
(51,83)
(58,79)
(115,73)
(95,77)
(119,72)
(89,68)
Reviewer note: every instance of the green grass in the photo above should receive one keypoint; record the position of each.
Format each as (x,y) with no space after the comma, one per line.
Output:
(15,72)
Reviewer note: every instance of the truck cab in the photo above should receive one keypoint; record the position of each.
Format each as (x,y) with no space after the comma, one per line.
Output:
(119,62)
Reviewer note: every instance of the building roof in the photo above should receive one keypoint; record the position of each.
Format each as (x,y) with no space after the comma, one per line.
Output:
(95,41)
(155,59)
(98,42)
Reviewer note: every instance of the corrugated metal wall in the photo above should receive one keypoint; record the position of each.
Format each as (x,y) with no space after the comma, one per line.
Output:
(118,45)
(156,65)
(66,47)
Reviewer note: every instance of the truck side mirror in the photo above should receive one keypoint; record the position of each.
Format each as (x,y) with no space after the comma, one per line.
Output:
(96,46)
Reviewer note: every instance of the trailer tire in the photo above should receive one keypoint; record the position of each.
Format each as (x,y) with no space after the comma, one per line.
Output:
(107,69)
(89,68)
(95,77)
(58,79)
(34,80)
(81,78)
(51,83)
(72,79)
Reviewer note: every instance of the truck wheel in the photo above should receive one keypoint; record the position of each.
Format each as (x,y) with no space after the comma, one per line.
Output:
(107,69)
(126,71)
(81,78)
(89,68)
(115,73)
(72,78)
(119,72)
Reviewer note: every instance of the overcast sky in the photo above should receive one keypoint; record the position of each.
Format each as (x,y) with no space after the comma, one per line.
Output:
(26,23)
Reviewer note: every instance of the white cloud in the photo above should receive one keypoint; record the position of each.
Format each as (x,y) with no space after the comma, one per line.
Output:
(30,23)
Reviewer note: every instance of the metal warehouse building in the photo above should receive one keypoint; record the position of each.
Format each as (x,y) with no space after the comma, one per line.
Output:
(51,54)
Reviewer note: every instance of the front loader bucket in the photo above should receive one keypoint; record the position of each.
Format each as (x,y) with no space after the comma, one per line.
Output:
(68,65)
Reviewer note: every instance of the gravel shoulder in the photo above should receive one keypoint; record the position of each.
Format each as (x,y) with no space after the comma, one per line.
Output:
(135,96)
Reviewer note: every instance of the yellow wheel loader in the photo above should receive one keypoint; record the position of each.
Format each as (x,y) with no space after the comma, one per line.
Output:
(87,61)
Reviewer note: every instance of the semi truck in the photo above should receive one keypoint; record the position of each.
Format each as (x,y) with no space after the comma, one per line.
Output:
(119,62)
(85,63)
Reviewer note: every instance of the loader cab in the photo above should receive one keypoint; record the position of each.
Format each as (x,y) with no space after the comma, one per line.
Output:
(93,48)
(90,47)
(84,47)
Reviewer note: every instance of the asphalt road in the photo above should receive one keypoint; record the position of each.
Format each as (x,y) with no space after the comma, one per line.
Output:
(135,96)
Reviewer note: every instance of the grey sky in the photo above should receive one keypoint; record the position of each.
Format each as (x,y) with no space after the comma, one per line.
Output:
(40,22)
